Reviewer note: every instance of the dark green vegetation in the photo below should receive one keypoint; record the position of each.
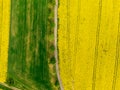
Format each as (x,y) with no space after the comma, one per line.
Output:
(31,64)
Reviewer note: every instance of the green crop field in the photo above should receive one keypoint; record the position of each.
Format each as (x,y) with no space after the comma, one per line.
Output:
(31,61)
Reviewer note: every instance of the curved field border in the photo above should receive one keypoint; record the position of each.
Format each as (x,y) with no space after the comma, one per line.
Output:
(56,40)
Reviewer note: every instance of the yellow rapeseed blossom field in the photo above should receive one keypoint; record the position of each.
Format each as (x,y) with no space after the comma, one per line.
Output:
(89,44)
(4,37)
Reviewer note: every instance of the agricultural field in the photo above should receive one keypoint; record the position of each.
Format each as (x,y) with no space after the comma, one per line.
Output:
(89,44)
(4,37)
(27,59)
(59,44)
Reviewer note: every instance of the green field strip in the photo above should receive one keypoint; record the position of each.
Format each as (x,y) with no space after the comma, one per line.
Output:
(30,48)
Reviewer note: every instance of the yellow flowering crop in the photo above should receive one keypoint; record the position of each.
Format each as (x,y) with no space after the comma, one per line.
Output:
(89,44)
(4,37)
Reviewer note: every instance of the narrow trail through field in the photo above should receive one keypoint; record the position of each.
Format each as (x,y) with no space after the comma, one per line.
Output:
(56,49)
(8,87)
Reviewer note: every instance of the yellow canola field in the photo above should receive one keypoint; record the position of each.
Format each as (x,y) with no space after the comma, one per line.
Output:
(89,44)
(4,37)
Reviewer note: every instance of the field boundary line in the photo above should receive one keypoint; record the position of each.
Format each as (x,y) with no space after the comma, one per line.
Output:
(56,41)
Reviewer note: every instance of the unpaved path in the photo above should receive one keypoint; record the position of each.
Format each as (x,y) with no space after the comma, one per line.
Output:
(55,34)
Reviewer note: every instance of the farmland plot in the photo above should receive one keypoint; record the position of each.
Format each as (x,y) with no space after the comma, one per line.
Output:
(30,64)
(88,42)
(4,37)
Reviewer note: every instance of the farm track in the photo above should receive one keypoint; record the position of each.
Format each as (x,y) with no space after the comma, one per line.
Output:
(56,41)
(88,44)
(97,45)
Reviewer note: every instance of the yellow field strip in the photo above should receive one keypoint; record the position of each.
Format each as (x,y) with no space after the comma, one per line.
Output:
(4,37)
(89,44)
